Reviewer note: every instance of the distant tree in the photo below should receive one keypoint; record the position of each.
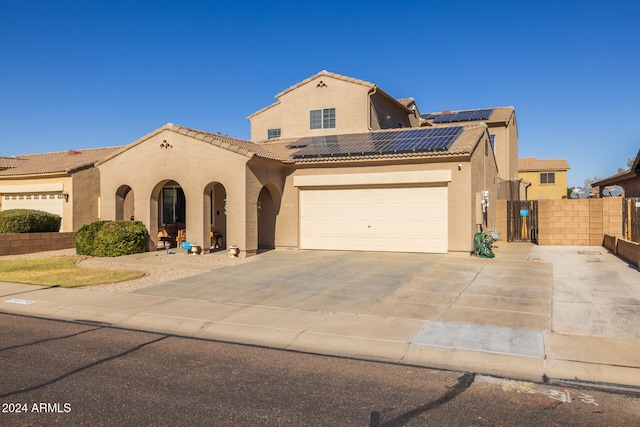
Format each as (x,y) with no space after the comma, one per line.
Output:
(630,162)
(587,182)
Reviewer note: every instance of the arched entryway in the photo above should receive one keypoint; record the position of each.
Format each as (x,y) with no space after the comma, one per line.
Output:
(267,211)
(125,203)
(215,214)
(168,212)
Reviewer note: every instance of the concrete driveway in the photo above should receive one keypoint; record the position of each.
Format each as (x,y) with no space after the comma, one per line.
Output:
(509,292)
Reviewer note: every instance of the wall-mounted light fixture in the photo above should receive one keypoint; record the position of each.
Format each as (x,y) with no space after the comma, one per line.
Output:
(66,196)
(165,144)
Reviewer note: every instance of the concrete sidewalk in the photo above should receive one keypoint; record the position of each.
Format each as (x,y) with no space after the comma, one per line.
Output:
(552,313)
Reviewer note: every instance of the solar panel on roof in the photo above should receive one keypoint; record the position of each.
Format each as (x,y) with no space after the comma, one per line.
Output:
(464,116)
(405,141)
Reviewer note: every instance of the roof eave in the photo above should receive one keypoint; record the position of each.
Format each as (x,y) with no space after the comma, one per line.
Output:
(615,179)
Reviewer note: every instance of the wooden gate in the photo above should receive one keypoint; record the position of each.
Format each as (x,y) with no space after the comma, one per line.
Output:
(522,221)
(631,218)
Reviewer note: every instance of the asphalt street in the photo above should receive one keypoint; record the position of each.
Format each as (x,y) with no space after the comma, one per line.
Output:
(80,373)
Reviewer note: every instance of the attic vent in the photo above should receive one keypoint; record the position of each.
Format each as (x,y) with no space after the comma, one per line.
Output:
(321,84)
(73,152)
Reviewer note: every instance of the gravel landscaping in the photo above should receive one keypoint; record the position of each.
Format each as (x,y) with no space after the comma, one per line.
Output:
(158,267)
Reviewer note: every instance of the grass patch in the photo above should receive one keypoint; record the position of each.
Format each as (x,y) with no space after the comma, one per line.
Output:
(60,271)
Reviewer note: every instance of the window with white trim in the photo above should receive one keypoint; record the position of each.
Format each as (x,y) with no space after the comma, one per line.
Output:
(273,133)
(322,119)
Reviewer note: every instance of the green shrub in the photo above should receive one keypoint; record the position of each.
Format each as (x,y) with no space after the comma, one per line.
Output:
(111,238)
(85,237)
(28,221)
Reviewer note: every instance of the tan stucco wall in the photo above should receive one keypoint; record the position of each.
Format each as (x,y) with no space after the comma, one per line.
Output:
(31,185)
(506,149)
(262,173)
(483,178)
(291,114)
(85,198)
(356,111)
(381,107)
(536,190)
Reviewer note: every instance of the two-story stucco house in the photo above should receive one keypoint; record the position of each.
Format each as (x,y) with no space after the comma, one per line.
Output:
(335,163)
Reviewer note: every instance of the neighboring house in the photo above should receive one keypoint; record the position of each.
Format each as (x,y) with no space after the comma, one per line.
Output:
(63,183)
(629,180)
(327,170)
(547,179)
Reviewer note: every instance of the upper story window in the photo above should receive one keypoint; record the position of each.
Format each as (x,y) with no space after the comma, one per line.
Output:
(273,133)
(322,119)
(547,177)
(492,136)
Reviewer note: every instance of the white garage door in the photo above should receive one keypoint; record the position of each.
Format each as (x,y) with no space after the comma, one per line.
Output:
(52,203)
(406,219)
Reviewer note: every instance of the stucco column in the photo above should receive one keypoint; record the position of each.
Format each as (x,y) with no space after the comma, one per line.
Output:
(194,196)
(237,221)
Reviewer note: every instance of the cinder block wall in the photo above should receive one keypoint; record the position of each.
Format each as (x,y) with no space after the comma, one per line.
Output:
(629,251)
(578,222)
(25,243)
(612,216)
(571,221)
(563,222)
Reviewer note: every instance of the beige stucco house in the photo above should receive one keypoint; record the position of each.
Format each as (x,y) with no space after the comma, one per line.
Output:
(261,195)
(64,183)
(545,178)
(336,163)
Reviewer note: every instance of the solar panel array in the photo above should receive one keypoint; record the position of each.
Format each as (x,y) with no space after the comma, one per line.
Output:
(464,116)
(430,115)
(373,143)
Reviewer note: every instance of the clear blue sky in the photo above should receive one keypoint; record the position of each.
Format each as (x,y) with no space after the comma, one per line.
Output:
(81,74)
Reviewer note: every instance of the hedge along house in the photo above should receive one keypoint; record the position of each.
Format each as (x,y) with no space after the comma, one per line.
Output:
(63,183)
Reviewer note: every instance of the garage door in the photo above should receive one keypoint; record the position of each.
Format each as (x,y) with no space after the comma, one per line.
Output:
(52,203)
(395,219)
